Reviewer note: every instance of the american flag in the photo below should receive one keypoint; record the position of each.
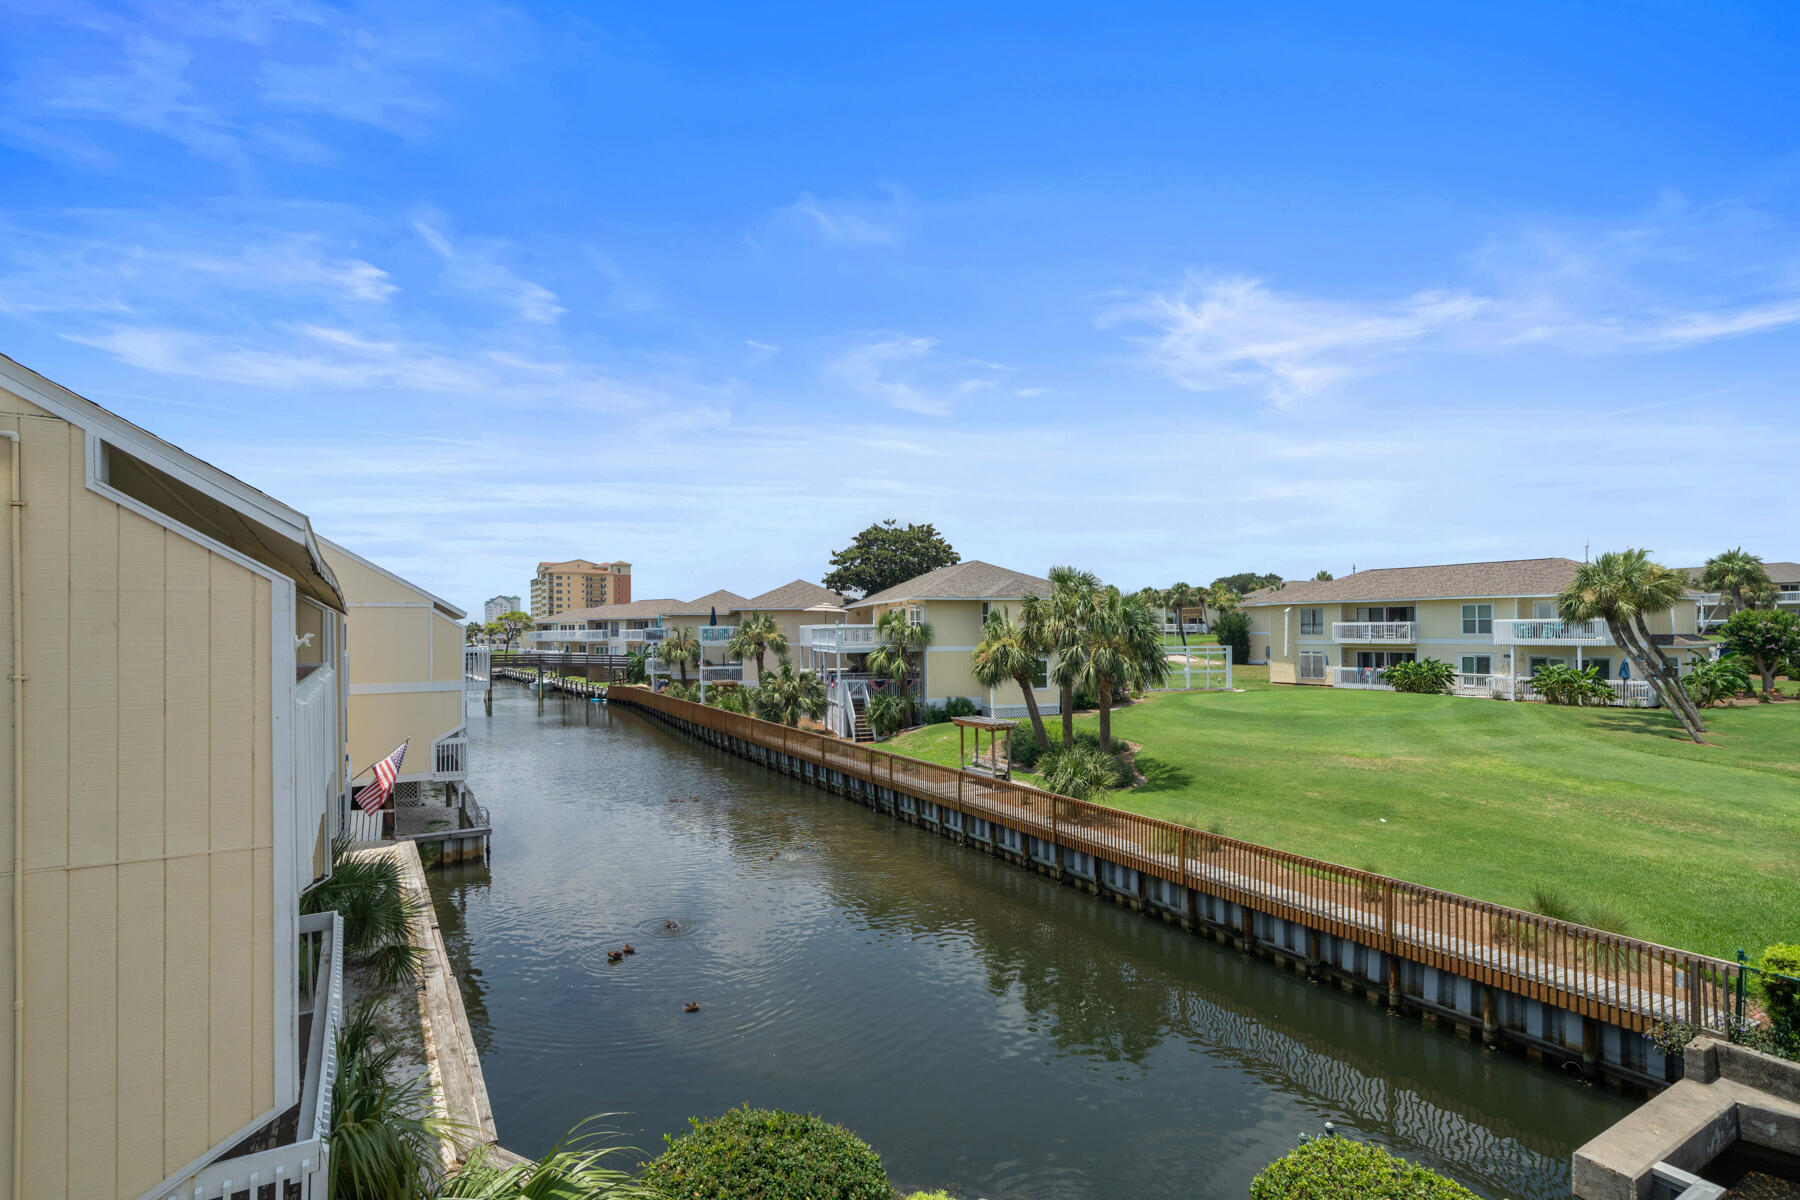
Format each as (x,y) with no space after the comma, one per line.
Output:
(375,794)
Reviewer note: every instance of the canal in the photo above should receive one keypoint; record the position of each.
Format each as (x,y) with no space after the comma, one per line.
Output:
(981,1027)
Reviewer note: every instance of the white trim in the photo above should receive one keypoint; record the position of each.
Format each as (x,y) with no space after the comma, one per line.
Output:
(391,604)
(197,473)
(394,689)
(383,571)
(162,1190)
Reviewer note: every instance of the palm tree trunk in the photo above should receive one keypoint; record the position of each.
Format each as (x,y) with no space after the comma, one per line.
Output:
(1068,713)
(1106,695)
(1671,676)
(1625,639)
(1180,627)
(1674,697)
(1031,707)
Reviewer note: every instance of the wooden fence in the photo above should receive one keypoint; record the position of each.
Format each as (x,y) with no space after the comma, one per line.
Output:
(1606,976)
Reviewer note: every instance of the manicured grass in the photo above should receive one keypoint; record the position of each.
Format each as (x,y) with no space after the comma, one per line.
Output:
(1691,846)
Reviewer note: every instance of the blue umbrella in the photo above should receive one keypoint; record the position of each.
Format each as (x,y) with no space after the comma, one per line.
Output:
(713,619)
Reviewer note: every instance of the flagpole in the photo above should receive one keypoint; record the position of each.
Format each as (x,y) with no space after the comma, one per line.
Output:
(371,766)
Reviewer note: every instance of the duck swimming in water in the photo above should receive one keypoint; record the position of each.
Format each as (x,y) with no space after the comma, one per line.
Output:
(628,949)
(691,1007)
(614,955)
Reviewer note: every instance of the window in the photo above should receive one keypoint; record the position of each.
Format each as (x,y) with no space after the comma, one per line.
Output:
(984,612)
(1477,664)
(1602,666)
(915,614)
(1040,674)
(1312,622)
(1539,661)
(1543,610)
(1312,664)
(1478,618)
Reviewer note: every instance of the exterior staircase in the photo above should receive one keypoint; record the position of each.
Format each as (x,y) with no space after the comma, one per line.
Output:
(862,732)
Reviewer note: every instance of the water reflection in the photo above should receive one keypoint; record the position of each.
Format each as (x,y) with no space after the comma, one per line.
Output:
(983,1028)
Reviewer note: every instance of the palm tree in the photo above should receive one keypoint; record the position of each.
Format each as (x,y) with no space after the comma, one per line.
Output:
(1735,571)
(1655,588)
(788,694)
(757,634)
(1079,772)
(1053,622)
(1222,598)
(901,640)
(1121,647)
(680,647)
(1180,596)
(575,1169)
(1006,653)
(1608,589)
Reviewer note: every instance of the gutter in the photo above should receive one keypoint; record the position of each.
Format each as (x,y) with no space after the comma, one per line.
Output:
(16,510)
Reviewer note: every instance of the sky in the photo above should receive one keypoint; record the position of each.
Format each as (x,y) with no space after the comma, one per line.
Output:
(1166,291)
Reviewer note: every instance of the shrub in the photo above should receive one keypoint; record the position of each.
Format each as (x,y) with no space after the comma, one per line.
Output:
(759,1153)
(933,714)
(1559,683)
(1426,676)
(1025,748)
(1711,683)
(1233,629)
(960,706)
(368,892)
(1079,771)
(1330,1168)
(1780,986)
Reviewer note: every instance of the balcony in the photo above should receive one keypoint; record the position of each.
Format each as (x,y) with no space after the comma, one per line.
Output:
(841,639)
(723,673)
(717,635)
(299,1167)
(1370,678)
(1375,631)
(1541,631)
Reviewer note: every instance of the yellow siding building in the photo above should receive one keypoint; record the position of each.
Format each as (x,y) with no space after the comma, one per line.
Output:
(405,656)
(1494,622)
(171,783)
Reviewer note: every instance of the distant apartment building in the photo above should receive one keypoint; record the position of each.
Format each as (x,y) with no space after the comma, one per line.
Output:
(1495,623)
(578,583)
(490,612)
(1715,607)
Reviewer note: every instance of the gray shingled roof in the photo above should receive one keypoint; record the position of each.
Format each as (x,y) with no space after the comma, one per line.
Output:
(634,610)
(1513,577)
(793,597)
(972,580)
(1779,572)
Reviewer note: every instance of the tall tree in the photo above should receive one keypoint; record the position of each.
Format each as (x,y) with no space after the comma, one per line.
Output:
(887,553)
(1007,654)
(1767,638)
(1735,571)
(787,695)
(1654,588)
(758,634)
(512,624)
(1054,622)
(1604,589)
(680,648)
(1245,582)
(1324,577)
(1121,647)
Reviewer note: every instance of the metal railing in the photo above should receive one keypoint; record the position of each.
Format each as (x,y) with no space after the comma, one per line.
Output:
(1608,976)
(318,758)
(1358,677)
(299,1170)
(713,673)
(1549,631)
(717,635)
(851,639)
(1375,631)
(478,667)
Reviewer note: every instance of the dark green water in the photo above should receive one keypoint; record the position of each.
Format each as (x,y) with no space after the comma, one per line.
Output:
(981,1027)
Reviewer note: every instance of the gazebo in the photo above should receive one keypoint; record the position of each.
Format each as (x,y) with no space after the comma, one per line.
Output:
(997,761)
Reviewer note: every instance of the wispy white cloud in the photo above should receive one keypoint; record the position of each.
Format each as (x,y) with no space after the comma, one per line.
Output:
(761,352)
(1678,277)
(848,224)
(477,268)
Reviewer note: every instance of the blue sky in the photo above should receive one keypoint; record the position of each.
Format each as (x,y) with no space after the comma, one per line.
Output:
(1167,291)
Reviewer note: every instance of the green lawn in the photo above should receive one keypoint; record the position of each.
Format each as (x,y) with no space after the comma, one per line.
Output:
(1692,846)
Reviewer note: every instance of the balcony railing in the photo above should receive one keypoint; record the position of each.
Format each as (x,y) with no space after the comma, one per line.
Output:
(299,1170)
(1548,631)
(450,758)
(1375,631)
(318,767)
(478,667)
(847,639)
(1359,677)
(726,672)
(717,635)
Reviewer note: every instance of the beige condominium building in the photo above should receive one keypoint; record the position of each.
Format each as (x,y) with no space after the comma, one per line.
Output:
(496,605)
(1494,622)
(406,682)
(578,583)
(174,649)
(955,601)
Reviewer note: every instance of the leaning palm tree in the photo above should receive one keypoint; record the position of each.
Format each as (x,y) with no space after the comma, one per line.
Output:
(1006,654)
(902,639)
(680,648)
(1655,588)
(1606,589)
(1121,647)
(1736,571)
(1054,621)
(757,635)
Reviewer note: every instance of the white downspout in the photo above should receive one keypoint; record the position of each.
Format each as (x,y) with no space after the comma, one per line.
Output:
(18,847)
(1284,630)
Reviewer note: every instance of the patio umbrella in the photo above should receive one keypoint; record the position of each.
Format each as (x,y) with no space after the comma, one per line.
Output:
(713,617)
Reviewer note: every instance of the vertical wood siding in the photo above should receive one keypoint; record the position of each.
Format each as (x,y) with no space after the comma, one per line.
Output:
(149,834)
